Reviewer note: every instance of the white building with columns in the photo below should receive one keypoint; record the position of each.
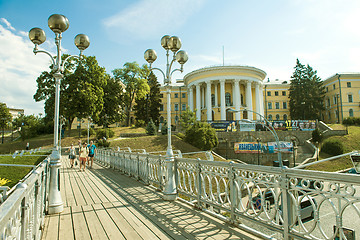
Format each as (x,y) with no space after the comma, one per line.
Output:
(212,91)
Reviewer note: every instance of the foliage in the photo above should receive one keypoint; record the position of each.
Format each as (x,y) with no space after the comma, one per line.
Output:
(84,132)
(134,78)
(3,181)
(103,143)
(113,103)
(351,121)
(148,107)
(306,93)
(81,89)
(164,130)
(31,126)
(5,116)
(333,146)
(187,119)
(140,123)
(202,136)
(104,132)
(151,128)
(316,136)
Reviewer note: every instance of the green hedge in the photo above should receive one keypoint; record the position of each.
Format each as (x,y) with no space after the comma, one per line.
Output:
(352,121)
(201,135)
(332,146)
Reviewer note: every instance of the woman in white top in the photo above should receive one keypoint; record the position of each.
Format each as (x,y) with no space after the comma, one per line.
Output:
(72,155)
(83,153)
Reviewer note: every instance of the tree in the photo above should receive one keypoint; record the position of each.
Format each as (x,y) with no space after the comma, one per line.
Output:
(113,103)
(134,78)
(202,135)
(187,119)
(5,118)
(81,89)
(306,93)
(148,107)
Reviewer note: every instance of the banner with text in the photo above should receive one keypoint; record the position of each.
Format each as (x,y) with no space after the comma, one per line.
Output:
(247,147)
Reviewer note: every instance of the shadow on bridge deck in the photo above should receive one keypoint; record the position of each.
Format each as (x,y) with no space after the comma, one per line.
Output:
(101,203)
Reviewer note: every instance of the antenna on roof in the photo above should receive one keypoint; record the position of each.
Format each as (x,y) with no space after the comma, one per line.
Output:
(223,56)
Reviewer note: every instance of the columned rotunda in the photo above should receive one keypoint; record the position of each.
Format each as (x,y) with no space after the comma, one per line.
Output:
(212,91)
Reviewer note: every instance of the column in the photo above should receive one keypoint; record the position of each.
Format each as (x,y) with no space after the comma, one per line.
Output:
(191,98)
(261,99)
(222,100)
(208,101)
(237,99)
(249,99)
(203,98)
(258,99)
(198,107)
(216,94)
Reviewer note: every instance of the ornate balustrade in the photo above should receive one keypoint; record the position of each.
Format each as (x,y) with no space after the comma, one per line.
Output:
(22,213)
(281,203)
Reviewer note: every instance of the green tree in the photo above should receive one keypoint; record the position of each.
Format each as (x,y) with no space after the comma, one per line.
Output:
(29,125)
(187,119)
(134,78)
(148,107)
(81,89)
(202,135)
(151,128)
(113,103)
(5,117)
(306,93)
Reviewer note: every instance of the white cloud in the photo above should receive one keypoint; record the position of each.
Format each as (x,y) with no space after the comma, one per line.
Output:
(19,68)
(149,18)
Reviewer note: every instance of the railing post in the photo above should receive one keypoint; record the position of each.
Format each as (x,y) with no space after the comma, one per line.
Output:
(198,183)
(286,202)
(138,166)
(147,172)
(160,174)
(232,192)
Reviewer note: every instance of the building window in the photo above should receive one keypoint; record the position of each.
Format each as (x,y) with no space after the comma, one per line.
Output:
(277,105)
(176,95)
(227,99)
(277,117)
(285,117)
(161,108)
(176,107)
(333,86)
(327,89)
(328,102)
(161,119)
(176,119)
(350,98)
(276,93)
(284,105)
(329,115)
(335,99)
(269,105)
(183,107)
(348,84)
(270,117)
(213,100)
(161,95)
(269,93)
(351,112)
(183,95)
(284,93)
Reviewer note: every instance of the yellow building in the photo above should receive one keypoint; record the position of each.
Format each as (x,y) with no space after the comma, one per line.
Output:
(342,98)
(276,100)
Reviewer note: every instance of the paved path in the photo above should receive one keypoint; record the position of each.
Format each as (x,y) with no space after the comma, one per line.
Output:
(104,204)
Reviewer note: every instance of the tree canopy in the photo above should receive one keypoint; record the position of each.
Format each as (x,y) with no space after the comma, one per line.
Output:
(5,116)
(306,93)
(134,78)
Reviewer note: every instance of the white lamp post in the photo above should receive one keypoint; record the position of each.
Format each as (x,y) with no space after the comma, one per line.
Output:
(58,24)
(174,44)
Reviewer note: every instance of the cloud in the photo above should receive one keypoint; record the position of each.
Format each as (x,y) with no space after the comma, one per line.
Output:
(19,68)
(149,18)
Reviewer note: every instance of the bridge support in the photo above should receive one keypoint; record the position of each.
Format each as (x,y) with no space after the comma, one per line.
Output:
(55,201)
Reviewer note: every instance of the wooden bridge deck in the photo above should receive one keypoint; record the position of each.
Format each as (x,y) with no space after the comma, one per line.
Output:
(101,203)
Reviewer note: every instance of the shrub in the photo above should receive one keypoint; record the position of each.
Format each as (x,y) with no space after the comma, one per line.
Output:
(332,146)
(181,135)
(140,123)
(164,129)
(201,135)
(84,132)
(151,128)
(104,132)
(316,136)
(103,143)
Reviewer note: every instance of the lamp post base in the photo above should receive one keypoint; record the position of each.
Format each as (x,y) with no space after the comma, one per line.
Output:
(170,185)
(55,201)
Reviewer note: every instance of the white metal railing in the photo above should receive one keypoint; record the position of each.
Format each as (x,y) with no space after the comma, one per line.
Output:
(22,212)
(269,201)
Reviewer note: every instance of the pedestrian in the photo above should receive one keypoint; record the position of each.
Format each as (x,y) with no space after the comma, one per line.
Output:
(72,155)
(92,152)
(83,153)
(27,146)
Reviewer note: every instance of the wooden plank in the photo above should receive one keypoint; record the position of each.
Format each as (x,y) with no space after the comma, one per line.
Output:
(52,230)
(95,226)
(122,222)
(90,188)
(83,188)
(81,230)
(79,199)
(69,194)
(66,225)
(110,227)
(104,188)
(99,193)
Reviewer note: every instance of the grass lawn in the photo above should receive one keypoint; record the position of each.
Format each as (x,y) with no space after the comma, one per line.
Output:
(13,175)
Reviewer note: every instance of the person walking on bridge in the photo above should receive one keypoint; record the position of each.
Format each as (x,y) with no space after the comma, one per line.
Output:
(92,152)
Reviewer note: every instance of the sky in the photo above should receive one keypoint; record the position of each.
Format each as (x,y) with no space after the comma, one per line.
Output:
(269,35)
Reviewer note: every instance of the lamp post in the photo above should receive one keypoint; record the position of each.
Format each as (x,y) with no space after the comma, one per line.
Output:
(172,44)
(88,128)
(294,149)
(258,140)
(62,122)
(58,24)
